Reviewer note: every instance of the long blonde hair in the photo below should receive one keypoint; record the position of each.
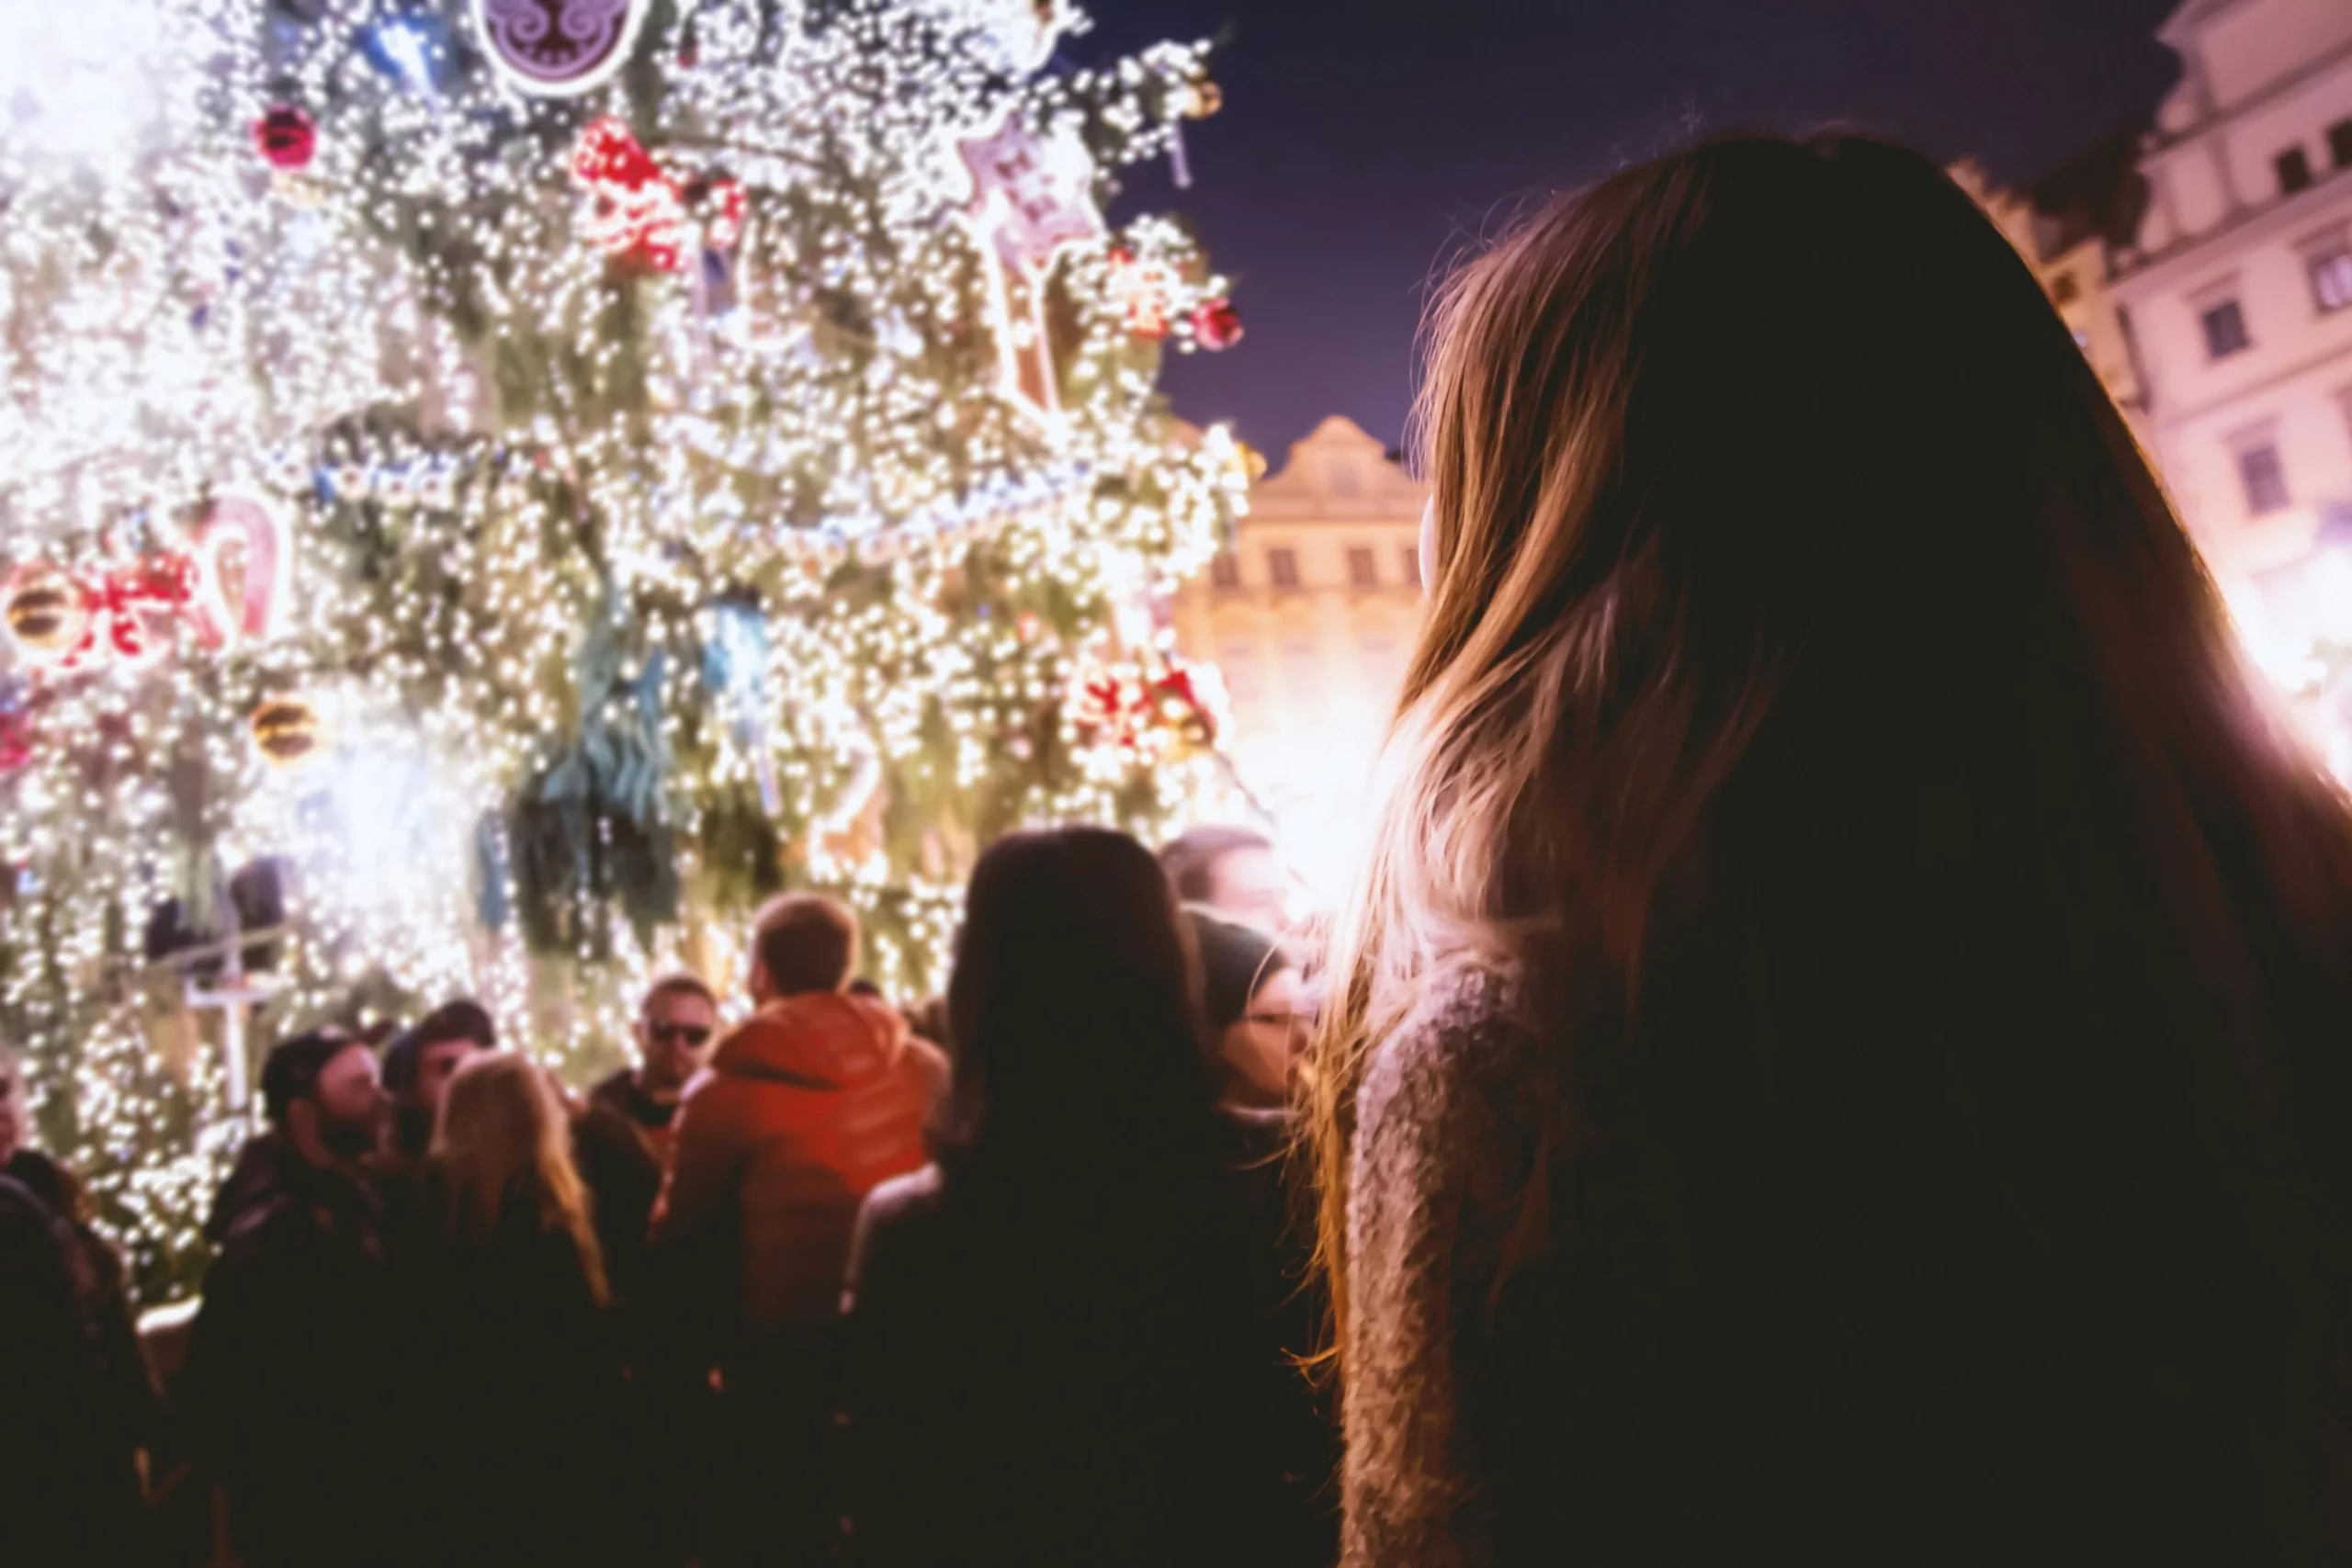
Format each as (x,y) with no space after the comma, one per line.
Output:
(502,1134)
(1796,579)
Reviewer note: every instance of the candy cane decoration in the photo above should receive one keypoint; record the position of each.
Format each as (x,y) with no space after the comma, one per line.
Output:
(240,517)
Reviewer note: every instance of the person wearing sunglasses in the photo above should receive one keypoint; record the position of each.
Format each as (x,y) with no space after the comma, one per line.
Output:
(622,1139)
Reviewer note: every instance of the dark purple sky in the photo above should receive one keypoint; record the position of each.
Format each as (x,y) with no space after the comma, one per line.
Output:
(1363,142)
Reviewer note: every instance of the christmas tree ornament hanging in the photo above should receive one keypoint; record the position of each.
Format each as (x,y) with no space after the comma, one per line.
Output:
(1216,325)
(49,613)
(288,731)
(557,49)
(286,138)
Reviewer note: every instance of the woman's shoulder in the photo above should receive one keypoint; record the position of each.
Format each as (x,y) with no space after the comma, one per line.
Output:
(1463,1045)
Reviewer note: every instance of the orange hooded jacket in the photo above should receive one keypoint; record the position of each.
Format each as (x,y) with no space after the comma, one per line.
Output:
(810,1103)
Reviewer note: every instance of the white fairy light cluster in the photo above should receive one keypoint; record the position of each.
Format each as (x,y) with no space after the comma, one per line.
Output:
(662,522)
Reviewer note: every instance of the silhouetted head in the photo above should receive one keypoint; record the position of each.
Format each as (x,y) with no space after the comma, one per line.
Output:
(1079,1044)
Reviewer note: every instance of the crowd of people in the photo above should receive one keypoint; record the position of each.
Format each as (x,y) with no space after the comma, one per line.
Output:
(1839,1052)
(806,1290)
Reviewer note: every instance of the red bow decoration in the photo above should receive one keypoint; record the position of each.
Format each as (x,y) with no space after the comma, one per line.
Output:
(1139,710)
(639,214)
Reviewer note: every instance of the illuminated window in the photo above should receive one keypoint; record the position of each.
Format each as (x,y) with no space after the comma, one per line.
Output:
(1281,566)
(2332,277)
(1361,571)
(1412,555)
(2225,329)
(2265,478)
(2294,167)
(1225,571)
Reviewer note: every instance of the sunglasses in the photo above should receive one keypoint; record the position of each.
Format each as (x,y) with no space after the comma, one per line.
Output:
(690,1033)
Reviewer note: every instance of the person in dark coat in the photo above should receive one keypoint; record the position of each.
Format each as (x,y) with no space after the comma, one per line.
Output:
(622,1138)
(509,1372)
(76,1403)
(284,1382)
(1070,1340)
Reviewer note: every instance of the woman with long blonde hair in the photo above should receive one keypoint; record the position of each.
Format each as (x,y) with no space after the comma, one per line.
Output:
(1841,1050)
(514,1424)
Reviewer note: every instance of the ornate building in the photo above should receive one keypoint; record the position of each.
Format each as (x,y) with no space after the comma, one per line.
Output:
(2237,284)
(1310,616)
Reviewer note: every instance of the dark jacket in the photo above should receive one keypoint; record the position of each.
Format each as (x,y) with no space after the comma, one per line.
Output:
(619,1141)
(809,1105)
(509,1376)
(285,1385)
(1086,1376)
(74,1389)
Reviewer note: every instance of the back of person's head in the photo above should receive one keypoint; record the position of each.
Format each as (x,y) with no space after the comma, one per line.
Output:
(460,1020)
(502,1145)
(1822,711)
(804,942)
(1078,1043)
(1191,858)
(292,1068)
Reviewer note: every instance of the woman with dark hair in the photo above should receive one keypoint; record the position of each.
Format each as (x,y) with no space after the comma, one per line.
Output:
(1841,1050)
(1068,1340)
(511,1373)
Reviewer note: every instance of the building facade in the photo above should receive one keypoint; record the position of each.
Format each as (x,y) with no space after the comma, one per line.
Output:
(2237,285)
(1310,616)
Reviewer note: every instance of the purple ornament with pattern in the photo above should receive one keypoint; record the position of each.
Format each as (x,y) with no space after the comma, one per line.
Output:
(558,48)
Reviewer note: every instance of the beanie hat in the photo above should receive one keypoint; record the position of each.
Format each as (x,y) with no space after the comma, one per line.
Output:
(1235,961)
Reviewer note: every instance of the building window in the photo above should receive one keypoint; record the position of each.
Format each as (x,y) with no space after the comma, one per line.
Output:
(1225,571)
(1281,566)
(2339,143)
(2263,478)
(2063,290)
(2224,330)
(1412,555)
(1361,571)
(2294,167)
(2332,277)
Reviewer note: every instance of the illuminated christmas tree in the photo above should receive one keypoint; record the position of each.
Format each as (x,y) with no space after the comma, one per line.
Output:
(491,489)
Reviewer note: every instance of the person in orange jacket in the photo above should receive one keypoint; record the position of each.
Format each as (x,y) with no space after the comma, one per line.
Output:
(815,1099)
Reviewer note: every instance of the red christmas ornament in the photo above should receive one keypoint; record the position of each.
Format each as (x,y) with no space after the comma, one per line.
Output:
(287,137)
(1216,325)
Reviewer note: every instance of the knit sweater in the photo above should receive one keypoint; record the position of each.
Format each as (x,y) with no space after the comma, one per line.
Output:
(1442,1147)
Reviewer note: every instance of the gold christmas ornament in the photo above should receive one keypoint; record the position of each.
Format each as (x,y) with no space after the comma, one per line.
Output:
(288,731)
(1207,98)
(47,614)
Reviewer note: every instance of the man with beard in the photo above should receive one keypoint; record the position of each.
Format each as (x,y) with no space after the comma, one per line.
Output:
(284,1394)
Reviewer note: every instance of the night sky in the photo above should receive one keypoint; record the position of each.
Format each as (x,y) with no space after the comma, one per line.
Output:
(1364,141)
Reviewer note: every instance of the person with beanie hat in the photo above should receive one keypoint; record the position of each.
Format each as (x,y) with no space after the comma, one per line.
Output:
(1250,995)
